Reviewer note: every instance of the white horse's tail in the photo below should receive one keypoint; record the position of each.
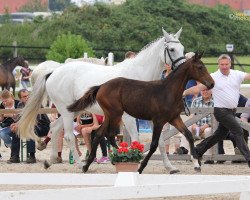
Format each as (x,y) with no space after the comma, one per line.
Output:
(27,122)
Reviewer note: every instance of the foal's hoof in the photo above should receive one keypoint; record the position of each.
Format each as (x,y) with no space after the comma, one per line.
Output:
(84,169)
(46,164)
(197,169)
(174,171)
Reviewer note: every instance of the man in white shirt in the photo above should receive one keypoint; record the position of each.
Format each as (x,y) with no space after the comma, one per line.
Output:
(226,95)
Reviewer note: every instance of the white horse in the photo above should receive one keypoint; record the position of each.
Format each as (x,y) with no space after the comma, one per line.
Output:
(50,65)
(70,81)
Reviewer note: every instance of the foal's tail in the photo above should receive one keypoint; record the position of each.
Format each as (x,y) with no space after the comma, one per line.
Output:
(88,99)
(27,122)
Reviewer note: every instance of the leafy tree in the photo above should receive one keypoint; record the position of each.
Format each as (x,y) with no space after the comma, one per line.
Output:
(58,5)
(68,46)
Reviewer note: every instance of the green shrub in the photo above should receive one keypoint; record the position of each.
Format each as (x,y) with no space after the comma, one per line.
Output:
(68,46)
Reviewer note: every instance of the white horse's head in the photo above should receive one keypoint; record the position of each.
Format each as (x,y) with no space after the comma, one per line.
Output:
(174,50)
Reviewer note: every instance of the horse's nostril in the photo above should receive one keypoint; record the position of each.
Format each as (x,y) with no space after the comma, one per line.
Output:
(211,86)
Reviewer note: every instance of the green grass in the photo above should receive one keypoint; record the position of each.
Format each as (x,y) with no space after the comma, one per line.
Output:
(241,59)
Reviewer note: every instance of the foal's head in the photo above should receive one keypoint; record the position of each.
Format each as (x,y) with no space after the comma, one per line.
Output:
(198,71)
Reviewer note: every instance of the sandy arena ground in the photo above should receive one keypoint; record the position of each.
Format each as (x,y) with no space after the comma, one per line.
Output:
(154,167)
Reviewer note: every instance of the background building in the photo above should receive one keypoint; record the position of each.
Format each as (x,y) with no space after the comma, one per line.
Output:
(240,5)
(14,5)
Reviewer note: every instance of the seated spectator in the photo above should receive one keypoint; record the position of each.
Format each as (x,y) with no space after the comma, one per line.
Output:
(87,123)
(41,145)
(202,128)
(8,102)
(40,128)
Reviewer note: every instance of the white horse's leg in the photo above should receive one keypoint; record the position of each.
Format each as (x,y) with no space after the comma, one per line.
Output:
(55,127)
(70,137)
(130,125)
(162,149)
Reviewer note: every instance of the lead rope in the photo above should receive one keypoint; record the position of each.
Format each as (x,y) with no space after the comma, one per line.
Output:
(186,108)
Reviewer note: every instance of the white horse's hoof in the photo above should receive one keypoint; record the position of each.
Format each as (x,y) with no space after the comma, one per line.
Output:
(46,164)
(197,169)
(174,171)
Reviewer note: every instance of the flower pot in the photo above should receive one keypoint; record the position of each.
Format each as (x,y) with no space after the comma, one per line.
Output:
(126,166)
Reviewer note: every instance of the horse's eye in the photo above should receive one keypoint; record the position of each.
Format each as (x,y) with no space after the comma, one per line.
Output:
(172,49)
(200,67)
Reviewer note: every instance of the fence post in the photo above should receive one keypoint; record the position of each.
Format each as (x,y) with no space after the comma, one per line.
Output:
(85,55)
(110,59)
(14,49)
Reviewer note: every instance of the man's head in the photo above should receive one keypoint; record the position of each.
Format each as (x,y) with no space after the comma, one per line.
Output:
(23,95)
(224,64)
(130,54)
(206,94)
(7,98)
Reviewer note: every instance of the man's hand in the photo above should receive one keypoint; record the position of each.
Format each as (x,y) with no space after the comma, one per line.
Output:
(13,127)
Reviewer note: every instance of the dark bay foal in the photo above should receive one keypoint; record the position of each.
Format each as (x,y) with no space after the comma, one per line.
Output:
(158,101)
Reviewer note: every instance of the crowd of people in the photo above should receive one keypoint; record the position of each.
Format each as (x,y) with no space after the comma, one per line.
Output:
(224,97)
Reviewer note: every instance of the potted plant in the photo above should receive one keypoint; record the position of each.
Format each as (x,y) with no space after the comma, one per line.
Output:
(127,159)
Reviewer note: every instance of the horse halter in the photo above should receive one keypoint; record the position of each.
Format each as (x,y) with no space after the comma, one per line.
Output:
(173,65)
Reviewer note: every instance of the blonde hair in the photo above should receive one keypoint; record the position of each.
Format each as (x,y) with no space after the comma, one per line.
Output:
(224,56)
(6,94)
(189,55)
(130,54)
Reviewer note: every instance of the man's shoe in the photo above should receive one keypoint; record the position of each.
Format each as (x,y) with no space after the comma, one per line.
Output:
(58,160)
(211,162)
(237,151)
(31,160)
(41,145)
(13,160)
(181,150)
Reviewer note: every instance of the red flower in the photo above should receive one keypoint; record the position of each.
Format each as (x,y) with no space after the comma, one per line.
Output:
(119,150)
(123,144)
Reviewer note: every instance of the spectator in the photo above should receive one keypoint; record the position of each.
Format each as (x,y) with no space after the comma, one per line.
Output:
(202,128)
(189,98)
(41,130)
(226,94)
(41,145)
(167,127)
(8,102)
(241,103)
(130,54)
(87,124)
(25,75)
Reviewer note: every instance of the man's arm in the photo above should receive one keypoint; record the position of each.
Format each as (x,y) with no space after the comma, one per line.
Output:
(247,77)
(194,90)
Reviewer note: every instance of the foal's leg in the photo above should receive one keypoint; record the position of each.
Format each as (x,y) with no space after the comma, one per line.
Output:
(154,144)
(178,123)
(100,132)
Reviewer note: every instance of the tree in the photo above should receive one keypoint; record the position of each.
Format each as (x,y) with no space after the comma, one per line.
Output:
(68,46)
(59,5)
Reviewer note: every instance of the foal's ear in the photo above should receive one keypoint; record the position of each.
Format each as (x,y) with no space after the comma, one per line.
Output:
(198,56)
